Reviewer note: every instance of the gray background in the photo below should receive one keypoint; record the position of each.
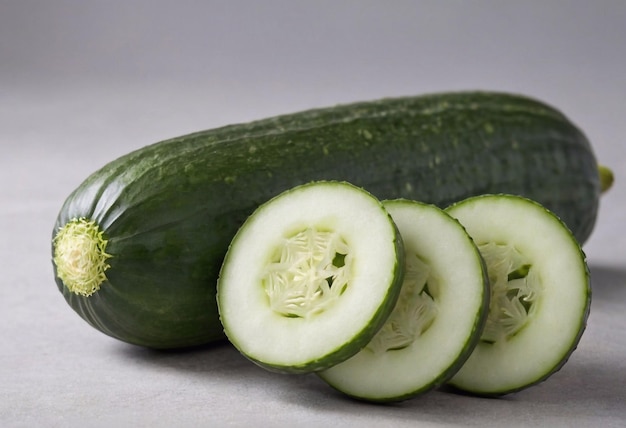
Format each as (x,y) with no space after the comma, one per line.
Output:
(82,82)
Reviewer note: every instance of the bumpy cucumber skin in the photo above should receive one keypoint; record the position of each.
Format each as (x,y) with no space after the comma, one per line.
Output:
(580,329)
(360,338)
(169,210)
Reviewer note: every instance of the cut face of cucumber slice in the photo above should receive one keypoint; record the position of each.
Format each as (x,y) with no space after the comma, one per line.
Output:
(437,320)
(310,277)
(540,294)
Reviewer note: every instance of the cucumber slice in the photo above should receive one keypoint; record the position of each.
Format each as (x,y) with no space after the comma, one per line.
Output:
(437,320)
(540,294)
(310,277)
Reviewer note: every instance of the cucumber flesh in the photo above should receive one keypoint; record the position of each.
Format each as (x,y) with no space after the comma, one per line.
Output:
(540,294)
(310,277)
(437,320)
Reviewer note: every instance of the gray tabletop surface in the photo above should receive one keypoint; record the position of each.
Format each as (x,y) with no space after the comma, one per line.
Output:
(82,83)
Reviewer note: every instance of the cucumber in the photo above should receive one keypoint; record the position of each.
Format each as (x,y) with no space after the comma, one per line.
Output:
(437,320)
(540,294)
(137,247)
(310,277)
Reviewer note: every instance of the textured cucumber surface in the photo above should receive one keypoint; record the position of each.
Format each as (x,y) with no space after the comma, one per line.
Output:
(169,210)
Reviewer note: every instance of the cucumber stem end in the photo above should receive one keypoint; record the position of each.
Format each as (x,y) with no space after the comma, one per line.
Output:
(606,178)
(80,256)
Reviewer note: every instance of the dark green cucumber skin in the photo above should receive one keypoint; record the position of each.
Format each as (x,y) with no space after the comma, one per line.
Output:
(170,210)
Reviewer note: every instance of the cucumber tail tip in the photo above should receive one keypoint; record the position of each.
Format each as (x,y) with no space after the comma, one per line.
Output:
(606,178)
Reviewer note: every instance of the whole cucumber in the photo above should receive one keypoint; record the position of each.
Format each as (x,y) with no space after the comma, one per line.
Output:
(137,247)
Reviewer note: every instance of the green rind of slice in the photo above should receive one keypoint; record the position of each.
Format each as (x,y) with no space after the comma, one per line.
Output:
(437,320)
(310,277)
(556,318)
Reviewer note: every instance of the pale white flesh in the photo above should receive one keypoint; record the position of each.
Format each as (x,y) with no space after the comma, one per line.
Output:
(554,326)
(457,281)
(308,343)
